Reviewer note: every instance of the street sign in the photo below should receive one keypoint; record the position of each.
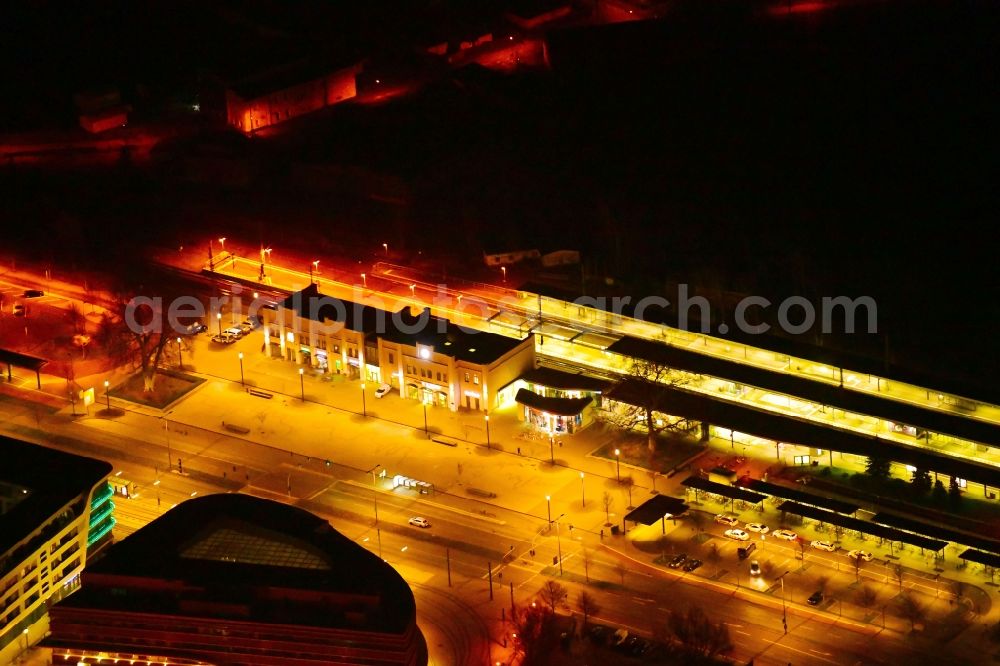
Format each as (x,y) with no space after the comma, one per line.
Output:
(87,396)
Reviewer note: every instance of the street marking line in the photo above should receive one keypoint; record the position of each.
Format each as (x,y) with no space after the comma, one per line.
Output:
(437,505)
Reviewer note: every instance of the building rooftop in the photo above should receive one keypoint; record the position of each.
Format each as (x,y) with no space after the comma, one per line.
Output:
(445,337)
(232,556)
(36,483)
(309,303)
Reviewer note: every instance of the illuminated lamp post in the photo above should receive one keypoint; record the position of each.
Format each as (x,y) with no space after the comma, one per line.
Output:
(242,380)
(364,407)
(503,269)
(313,269)
(583,492)
(413,290)
(218,318)
(487,419)
(180,359)
(302,383)
(107,393)
(386,246)
(222,244)
(618,465)
(364,280)
(426,431)
(548,508)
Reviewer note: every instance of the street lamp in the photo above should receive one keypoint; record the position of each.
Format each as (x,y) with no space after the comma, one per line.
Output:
(618,465)
(548,508)
(487,418)
(583,492)
(222,244)
(386,246)
(180,359)
(107,393)
(378,532)
(218,318)
(302,383)
(364,407)
(503,269)
(426,431)
(413,290)
(242,380)
(313,269)
(559,543)
(364,280)
(784,612)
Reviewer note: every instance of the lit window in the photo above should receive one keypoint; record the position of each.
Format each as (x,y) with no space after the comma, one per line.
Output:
(290,336)
(475,379)
(960,482)
(466,378)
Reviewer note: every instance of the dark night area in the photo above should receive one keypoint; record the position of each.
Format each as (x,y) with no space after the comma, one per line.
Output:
(844,152)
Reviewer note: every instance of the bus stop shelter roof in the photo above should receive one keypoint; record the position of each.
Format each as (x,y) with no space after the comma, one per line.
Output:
(937,531)
(979,557)
(732,492)
(11,357)
(802,497)
(656,508)
(864,526)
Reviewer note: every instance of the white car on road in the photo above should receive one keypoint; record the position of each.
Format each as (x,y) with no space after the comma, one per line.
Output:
(759,528)
(382,390)
(726,520)
(860,554)
(417,521)
(739,535)
(787,535)
(823,545)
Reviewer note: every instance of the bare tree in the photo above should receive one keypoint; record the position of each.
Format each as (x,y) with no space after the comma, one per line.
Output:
(911,609)
(536,634)
(866,596)
(856,562)
(608,501)
(897,572)
(647,406)
(697,520)
(700,637)
(587,606)
(587,558)
(802,549)
(553,594)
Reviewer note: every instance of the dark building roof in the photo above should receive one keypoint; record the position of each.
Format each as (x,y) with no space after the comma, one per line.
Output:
(49,480)
(240,557)
(289,75)
(781,428)
(552,405)
(863,526)
(732,492)
(309,303)
(807,389)
(937,532)
(802,497)
(448,338)
(565,381)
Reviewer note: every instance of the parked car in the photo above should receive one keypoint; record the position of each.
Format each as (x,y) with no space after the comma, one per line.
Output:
(382,390)
(677,561)
(692,564)
(417,521)
(743,552)
(20,310)
(727,520)
(224,338)
(787,535)
(863,554)
(599,633)
(247,326)
(823,545)
(619,637)
(234,331)
(33,293)
(759,528)
(815,599)
(739,535)
(754,568)
(195,328)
